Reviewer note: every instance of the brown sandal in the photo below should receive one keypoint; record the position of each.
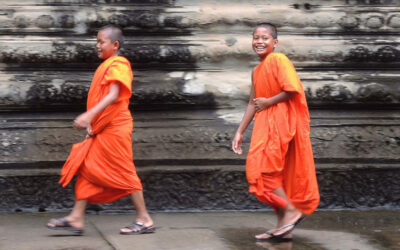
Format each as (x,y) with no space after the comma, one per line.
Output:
(63,224)
(138,228)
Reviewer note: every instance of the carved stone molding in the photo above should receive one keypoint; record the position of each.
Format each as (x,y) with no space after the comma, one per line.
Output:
(212,90)
(213,188)
(372,94)
(177,17)
(333,53)
(336,138)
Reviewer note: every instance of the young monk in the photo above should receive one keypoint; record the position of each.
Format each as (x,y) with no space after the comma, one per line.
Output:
(280,166)
(103,162)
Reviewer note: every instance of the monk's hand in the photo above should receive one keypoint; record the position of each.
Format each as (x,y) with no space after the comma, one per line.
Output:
(82,121)
(237,143)
(89,132)
(261,103)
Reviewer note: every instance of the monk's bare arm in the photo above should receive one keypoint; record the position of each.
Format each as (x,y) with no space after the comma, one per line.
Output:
(263,103)
(83,121)
(246,120)
(248,114)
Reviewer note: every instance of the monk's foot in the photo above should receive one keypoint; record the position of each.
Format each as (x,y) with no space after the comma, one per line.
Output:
(65,224)
(265,236)
(75,221)
(145,219)
(288,223)
(143,224)
(137,228)
(71,221)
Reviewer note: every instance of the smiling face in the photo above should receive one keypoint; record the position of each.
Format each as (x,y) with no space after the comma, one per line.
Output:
(105,46)
(263,42)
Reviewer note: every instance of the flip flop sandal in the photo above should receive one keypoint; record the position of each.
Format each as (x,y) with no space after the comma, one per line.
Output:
(63,224)
(272,238)
(300,220)
(265,239)
(138,228)
(294,224)
(280,239)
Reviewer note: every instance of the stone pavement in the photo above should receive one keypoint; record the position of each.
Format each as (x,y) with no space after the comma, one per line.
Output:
(205,230)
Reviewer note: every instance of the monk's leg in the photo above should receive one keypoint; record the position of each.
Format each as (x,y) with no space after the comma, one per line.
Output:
(142,215)
(76,217)
(279,214)
(272,182)
(279,211)
(289,214)
(286,215)
(141,212)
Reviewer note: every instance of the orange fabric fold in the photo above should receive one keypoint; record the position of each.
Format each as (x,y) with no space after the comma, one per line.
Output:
(104,163)
(280,153)
(264,188)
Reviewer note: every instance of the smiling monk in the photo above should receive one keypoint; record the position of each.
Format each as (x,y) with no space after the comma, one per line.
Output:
(280,165)
(103,162)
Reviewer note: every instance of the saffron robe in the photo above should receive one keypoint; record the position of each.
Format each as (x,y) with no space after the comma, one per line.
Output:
(280,153)
(104,163)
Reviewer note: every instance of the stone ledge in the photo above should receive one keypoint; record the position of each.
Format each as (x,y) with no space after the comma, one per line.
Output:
(201,138)
(205,188)
(206,89)
(349,52)
(200,169)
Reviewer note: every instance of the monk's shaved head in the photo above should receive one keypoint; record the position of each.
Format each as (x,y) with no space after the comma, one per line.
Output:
(114,33)
(270,27)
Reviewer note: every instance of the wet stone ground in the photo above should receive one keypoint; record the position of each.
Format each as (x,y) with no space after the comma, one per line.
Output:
(331,230)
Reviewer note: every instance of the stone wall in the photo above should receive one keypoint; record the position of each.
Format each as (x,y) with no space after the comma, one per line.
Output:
(192,62)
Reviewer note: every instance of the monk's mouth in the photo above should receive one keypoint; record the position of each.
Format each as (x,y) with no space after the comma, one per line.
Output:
(260,49)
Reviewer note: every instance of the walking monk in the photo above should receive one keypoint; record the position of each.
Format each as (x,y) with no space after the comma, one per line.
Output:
(103,162)
(280,166)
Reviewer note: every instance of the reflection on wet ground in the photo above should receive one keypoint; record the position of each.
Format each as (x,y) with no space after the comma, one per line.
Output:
(243,239)
(324,230)
(328,230)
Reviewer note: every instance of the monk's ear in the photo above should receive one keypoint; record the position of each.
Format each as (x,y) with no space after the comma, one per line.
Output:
(275,43)
(116,44)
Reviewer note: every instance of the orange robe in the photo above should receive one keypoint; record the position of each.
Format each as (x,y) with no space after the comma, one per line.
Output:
(104,163)
(280,153)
